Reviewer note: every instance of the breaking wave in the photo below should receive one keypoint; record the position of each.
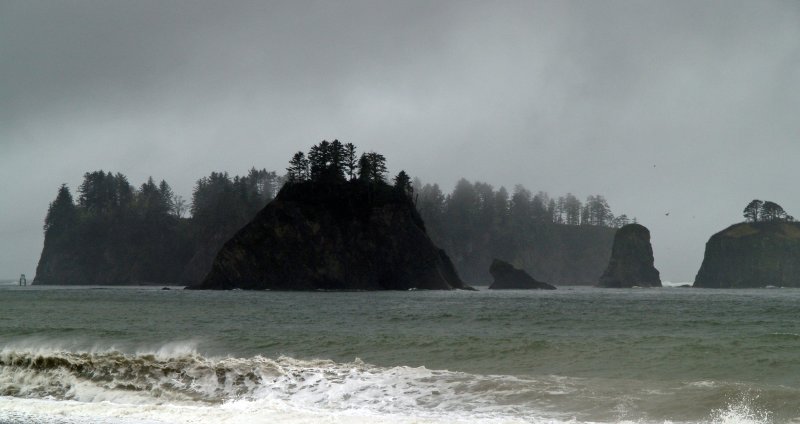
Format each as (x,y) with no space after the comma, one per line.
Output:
(175,384)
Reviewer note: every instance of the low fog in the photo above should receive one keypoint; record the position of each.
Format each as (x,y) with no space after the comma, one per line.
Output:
(679,113)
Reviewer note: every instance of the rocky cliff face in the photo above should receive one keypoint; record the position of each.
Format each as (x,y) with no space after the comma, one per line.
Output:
(507,277)
(752,255)
(112,256)
(631,261)
(342,236)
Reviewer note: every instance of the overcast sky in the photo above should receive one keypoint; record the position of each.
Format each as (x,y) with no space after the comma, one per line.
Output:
(688,108)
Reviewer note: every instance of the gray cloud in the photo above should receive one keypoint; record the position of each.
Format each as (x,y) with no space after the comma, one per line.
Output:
(681,107)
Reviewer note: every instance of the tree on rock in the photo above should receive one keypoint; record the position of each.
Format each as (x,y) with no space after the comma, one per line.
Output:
(402,184)
(62,213)
(771,211)
(298,168)
(372,167)
(350,161)
(753,210)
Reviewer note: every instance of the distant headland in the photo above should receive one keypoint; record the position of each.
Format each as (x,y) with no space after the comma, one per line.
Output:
(116,233)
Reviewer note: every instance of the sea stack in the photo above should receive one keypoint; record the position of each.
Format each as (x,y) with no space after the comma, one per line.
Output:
(752,254)
(507,277)
(631,263)
(344,235)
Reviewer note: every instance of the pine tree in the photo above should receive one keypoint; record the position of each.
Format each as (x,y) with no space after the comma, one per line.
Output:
(62,213)
(377,167)
(298,168)
(350,160)
(402,184)
(752,211)
(771,211)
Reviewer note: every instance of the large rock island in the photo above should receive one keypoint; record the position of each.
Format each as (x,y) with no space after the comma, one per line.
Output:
(344,236)
(507,277)
(632,260)
(326,232)
(752,254)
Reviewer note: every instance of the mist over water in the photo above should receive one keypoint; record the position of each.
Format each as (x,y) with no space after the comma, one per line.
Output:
(576,354)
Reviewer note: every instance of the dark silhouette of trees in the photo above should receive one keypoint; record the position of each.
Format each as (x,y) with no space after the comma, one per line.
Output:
(402,184)
(298,169)
(372,168)
(62,213)
(350,161)
(757,211)
(572,210)
(597,212)
(771,211)
(752,212)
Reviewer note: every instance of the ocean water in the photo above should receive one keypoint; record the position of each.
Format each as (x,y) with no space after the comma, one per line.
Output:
(145,355)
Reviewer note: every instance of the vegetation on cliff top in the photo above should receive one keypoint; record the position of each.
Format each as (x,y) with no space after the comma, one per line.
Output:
(118,234)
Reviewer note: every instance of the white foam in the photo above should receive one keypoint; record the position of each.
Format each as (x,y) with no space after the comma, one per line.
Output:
(175,376)
(175,384)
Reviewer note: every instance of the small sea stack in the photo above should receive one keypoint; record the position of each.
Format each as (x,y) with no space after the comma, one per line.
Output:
(631,263)
(507,277)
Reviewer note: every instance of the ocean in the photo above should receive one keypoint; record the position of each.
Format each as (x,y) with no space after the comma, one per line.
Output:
(575,355)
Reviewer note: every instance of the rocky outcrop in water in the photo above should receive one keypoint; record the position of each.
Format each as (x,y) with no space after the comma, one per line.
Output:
(347,235)
(750,255)
(507,277)
(631,263)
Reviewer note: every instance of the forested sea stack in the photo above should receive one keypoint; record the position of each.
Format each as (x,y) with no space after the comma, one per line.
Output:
(119,234)
(765,251)
(632,260)
(335,225)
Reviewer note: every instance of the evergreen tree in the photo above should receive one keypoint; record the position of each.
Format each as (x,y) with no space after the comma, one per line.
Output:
(364,168)
(501,206)
(620,221)
(572,210)
(298,168)
(520,207)
(752,211)
(350,160)
(539,207)
(62,213)
(771,211)
(319,158)
(336,167)
(377,167)
(402,184)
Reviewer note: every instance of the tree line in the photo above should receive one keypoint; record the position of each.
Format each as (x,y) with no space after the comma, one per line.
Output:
(476,223)
(116,232)
(111,218)
(761,211)
(106,197)
(480,205)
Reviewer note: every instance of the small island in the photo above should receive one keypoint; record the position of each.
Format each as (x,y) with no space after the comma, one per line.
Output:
(335,225)
(631,263)
(760,252)
(506,276)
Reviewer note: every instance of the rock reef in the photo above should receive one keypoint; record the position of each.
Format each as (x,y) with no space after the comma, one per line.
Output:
(347,235)
(507,277)
(748,255)
(631,263)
